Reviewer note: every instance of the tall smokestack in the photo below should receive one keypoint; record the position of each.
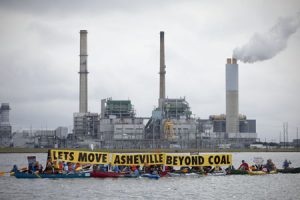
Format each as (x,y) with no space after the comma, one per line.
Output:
(162,72)
(83,91)
(232,96)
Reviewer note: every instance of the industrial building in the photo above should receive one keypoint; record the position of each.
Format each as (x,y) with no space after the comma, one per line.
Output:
(215,127)
(230,128)
(5,127)
(86,125)
(118,125)
(170,125)
(42,138)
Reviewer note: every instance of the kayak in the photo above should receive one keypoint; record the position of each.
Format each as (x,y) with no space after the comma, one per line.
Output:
(106,174)
(171,174)
(262,172)
(130,176)
(151,176)
(236,172)
(165,173)
(257,173)
(27,175)
(193,174)
(217,174)
(290,170)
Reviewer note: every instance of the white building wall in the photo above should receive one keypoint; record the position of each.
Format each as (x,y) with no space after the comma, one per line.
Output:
(242,135)
(128,131)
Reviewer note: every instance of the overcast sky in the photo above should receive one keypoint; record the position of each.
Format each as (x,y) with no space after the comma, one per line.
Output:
(39,62)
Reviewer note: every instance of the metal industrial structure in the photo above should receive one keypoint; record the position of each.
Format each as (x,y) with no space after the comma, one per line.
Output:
(5,127)
(119,128)
(171,124)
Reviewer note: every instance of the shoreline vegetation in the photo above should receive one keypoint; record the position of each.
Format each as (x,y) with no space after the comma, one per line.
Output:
(45,150)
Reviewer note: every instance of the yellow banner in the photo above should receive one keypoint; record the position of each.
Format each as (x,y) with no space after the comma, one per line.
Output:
(198,160)
(85,157)
(138,159)
(82,157)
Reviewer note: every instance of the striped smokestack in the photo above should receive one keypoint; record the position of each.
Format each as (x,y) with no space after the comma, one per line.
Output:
(232,96)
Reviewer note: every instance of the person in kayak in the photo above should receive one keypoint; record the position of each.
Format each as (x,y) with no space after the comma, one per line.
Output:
(135,170)
(116,169)
(244,166)
(286,164)
(40,169)
(270,166)
(207,169)
(15,169)
(49,167)
(216,169)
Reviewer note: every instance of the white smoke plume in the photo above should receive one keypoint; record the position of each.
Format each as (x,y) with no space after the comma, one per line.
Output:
(265,46)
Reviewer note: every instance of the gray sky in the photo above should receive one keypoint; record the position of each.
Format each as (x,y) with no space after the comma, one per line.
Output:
(40,63)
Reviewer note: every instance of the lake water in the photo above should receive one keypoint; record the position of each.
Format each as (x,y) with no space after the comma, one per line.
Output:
(275,186)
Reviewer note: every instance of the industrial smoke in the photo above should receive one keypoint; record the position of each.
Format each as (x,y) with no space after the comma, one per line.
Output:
(267,45)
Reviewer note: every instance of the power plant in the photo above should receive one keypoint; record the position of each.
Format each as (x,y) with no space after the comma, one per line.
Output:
(171,124)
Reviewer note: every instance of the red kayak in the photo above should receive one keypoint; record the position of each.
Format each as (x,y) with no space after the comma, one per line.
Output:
(161,174)
(106,174)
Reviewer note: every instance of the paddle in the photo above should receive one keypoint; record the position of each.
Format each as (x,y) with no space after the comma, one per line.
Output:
(10,173)
(6,173)
(37,174)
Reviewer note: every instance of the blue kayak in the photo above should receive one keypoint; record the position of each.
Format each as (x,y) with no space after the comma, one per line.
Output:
(27,175)
(130,176)
(152,176)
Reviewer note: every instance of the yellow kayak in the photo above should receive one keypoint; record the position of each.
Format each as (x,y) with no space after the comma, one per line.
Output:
(257,173)
(262,172)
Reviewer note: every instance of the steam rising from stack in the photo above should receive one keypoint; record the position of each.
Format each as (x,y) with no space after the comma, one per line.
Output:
(267,45)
